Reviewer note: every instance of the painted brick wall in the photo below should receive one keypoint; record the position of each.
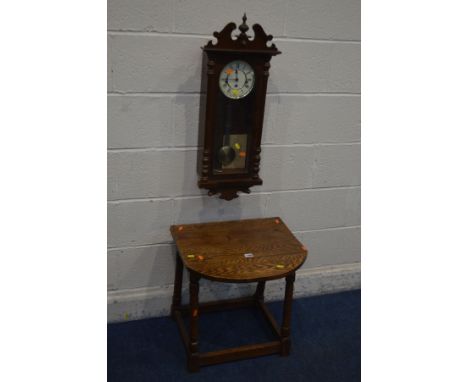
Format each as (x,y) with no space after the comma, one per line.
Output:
(311,144)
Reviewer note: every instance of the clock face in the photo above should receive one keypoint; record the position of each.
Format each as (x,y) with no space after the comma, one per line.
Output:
(237,79)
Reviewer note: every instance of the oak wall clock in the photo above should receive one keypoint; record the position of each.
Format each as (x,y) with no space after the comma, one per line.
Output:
(235,76)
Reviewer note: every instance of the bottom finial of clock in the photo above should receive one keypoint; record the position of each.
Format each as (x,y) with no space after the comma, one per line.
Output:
(227,194)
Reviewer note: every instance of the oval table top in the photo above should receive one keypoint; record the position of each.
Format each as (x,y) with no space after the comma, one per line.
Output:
(239,251)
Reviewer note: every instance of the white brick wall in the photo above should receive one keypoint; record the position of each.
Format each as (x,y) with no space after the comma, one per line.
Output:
(311,144)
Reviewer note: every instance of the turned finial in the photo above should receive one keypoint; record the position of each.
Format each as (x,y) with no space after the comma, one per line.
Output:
(243,27)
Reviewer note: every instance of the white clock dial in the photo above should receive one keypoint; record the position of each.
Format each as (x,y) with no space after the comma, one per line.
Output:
(237,79)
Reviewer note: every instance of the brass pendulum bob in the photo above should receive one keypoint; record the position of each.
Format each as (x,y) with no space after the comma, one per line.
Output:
(226,155)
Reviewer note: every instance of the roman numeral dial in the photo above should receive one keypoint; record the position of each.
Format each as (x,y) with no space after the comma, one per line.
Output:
(237,79)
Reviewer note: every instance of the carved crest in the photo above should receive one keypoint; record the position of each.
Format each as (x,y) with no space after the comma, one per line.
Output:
(242,42)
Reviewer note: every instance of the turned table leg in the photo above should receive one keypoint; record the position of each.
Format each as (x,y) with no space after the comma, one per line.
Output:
(193,357)
(259,292)
(177,295)
(287,306)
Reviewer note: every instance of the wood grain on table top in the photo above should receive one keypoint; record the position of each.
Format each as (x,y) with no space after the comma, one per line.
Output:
(216,250)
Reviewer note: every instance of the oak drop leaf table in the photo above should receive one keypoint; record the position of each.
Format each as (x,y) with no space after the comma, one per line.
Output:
(243,251)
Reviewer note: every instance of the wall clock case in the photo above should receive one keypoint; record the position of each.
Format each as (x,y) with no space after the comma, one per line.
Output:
(234,84)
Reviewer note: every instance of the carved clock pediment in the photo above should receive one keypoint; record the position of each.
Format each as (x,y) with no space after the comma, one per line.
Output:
(242,42)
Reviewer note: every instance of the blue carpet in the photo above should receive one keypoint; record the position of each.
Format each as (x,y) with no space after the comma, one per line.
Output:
(325,345)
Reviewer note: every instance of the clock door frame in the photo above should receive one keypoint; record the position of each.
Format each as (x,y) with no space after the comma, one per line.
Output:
(258,107)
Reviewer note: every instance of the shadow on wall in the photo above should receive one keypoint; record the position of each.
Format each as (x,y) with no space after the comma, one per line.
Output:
(276,158)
